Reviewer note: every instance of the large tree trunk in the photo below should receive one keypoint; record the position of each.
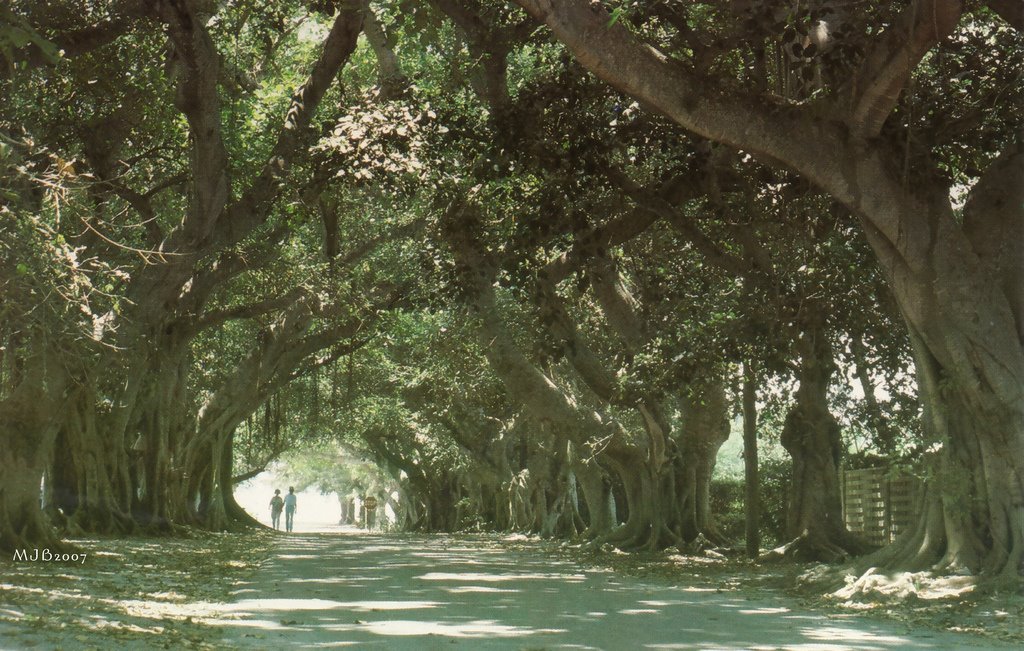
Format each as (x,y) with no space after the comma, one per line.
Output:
(22,522)
(635,532)
(971,511)
(751,480)
(166,416)
(705,429)
(814,516)
(554,508)
(519,504)
(95,470)
(223,512)
(163,425)
(238,516)
(652,522)
(28,428)
(410,518)
(99,463)
(962,301)
(596,492)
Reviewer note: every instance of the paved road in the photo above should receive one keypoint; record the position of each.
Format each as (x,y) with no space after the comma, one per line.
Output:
(364,591)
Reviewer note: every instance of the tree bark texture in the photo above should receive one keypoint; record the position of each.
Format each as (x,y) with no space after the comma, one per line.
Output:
(814,516)
(705,429)
(28,429)
(751,479)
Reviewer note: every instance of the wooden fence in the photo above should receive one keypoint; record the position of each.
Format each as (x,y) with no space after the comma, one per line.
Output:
(879,503)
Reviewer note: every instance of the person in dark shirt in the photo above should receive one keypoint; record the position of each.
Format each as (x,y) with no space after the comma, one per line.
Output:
(276,506)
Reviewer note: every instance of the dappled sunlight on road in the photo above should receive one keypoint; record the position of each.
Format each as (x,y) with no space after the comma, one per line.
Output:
(491,578)
(477,628)
(477,588)
(444,592)
(323,604)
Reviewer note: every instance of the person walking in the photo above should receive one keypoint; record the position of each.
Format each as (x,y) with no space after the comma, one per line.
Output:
(276,506)
(290,502)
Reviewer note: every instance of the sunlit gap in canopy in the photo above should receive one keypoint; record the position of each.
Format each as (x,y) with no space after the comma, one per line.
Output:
(333,488)
(316,512)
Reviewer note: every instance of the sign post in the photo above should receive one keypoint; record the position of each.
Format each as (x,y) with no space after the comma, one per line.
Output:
(370,504)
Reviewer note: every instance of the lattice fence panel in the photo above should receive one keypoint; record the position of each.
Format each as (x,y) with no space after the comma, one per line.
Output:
(878,503)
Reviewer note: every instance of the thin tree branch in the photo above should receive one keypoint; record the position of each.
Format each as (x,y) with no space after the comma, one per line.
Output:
(254,205)
(887,68)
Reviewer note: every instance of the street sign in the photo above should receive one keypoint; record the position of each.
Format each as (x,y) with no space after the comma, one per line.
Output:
(370,503)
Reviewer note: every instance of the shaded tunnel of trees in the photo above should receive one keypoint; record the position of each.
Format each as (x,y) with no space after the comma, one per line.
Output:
(532,260)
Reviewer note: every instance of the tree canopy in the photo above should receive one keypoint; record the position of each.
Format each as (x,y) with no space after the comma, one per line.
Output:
(528,260)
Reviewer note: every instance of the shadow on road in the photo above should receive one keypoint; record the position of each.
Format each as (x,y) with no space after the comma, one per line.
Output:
(424,592)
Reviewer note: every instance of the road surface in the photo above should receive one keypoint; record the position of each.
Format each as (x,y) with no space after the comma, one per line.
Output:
(419,592)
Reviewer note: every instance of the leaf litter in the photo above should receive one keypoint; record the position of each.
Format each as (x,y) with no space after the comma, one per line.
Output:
(139,592)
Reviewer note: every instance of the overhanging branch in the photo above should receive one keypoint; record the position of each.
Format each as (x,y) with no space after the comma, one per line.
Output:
(888,66)
(254,205)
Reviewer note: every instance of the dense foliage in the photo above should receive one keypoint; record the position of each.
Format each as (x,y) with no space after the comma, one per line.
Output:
(523,270)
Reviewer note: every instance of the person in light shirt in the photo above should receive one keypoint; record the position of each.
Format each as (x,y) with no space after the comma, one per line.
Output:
(290,502)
